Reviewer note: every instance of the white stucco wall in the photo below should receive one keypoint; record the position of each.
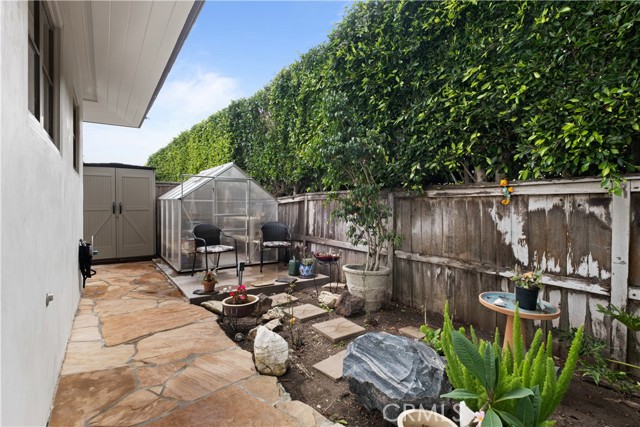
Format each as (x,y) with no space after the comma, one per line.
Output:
(40,224)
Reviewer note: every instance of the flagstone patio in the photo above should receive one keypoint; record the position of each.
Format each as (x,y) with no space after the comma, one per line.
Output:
(140,353)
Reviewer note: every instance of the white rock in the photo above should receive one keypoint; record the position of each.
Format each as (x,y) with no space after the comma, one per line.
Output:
(271,353)
(274,313)
(328,299)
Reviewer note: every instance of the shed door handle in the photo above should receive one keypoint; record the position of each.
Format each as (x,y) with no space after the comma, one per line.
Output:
(120,208)
(113,207)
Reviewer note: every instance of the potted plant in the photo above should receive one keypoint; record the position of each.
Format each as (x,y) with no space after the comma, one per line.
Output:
(307,268)
(239,303)
(515,388)
(528,286)
(423,418)
(360,165)
(209,280)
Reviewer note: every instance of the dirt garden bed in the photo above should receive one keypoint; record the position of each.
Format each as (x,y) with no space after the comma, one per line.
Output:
(585,404)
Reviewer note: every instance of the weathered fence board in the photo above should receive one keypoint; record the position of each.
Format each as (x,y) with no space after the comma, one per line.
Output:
(460,241)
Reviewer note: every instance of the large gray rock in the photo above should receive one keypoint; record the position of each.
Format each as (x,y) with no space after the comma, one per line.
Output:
(349,305)
(390,373)
(270,353)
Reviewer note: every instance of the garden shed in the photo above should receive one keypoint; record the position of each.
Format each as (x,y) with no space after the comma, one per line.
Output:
(224,196)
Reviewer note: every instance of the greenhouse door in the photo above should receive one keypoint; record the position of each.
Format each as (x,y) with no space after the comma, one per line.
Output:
(119,212)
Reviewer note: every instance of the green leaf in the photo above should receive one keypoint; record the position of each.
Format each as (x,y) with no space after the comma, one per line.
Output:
(517,393)
(510,419)
(490,367)
(461,394)
(491,419)
(470,357)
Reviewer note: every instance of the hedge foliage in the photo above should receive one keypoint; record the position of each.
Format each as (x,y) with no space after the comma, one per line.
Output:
(440,92)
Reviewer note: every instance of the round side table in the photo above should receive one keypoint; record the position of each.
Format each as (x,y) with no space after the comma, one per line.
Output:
(488,299)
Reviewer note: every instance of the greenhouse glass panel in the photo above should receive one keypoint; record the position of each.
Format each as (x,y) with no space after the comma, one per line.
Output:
(224,196)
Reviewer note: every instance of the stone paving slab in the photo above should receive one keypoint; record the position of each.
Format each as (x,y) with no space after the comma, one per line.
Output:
(339,329)
(306,312)
(411,332)
(282,299)
(166,363)
(334,287)
(332,366)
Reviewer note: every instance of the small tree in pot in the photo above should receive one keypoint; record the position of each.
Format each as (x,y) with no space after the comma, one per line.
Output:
(358,164)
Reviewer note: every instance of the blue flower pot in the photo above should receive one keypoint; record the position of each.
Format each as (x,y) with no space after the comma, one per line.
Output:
(307,271)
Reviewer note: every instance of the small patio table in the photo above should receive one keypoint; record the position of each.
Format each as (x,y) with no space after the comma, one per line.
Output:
(488,299)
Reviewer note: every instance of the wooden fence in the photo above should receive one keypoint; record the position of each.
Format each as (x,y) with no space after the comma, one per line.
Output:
(460,241)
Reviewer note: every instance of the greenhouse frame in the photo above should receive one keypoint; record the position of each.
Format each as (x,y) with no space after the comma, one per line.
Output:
(224,196)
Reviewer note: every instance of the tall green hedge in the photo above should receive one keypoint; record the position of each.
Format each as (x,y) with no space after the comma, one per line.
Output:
(451,90)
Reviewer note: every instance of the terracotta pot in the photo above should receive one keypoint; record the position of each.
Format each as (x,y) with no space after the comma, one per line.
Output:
(208,286)
(423,418)
(239,310)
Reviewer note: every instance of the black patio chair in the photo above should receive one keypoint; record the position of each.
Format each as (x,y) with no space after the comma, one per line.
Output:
(207,239)
(274,235)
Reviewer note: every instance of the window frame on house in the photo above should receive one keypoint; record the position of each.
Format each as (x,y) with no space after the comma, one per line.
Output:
(42,73)
(76,136)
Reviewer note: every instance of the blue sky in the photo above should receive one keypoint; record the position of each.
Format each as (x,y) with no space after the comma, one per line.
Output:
(234,49)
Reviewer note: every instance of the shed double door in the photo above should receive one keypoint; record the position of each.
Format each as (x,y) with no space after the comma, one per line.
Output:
(119,211)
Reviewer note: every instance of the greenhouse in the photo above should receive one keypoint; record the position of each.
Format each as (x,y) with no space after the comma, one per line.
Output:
(224,196)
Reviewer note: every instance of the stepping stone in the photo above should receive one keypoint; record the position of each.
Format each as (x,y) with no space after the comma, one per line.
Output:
(339,329)
(282,299)
(213,306)
(334,287)
(261,284)
(411,332)
(332,366)
(307,312)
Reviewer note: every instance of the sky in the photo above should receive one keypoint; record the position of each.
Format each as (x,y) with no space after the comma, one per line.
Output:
(234,49)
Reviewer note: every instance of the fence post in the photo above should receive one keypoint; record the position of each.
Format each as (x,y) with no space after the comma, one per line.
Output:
(392,224)
(620,236)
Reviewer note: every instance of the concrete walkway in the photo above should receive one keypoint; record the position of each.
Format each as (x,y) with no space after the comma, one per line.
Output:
(140,354)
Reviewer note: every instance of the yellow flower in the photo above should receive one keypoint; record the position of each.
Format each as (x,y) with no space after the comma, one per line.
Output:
(510,189)
(504,183)
(528,275)
(505,201)
(292,321)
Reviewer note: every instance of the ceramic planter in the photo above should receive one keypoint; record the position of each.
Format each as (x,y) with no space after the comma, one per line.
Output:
(373,286)
(239,310)
(423,418)
(307,271)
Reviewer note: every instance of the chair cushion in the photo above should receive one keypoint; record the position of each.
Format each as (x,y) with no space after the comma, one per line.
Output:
(214,249)
(276,244)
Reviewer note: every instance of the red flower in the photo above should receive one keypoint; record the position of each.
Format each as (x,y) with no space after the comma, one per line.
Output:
(243,297)
(232,294)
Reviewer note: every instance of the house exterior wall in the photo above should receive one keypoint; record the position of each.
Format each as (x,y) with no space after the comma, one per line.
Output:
(40,225)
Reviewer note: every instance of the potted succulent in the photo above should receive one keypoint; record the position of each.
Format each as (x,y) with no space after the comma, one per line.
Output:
(209,280)
(307,268)
(528,286)
(239,303)
(505,387)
